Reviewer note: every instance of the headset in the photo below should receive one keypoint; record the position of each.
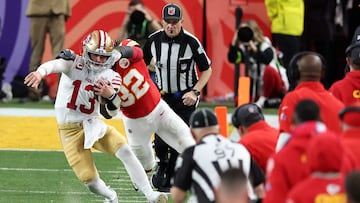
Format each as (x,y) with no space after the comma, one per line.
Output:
(237,119)
(294,73)
(348,109)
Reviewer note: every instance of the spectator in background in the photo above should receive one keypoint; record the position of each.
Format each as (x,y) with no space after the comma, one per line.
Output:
(199,167)
(46,17)
(288,166)
(233,187)
(177,56)
(138,24)
(255,134)
(319,33)
(307,70)
(324,156)
(287,25)
(347,90)
(350,118)
(352,187)
(250,46)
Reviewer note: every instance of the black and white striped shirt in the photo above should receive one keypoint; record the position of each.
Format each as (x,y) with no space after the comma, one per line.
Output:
(200,167)
(175,60)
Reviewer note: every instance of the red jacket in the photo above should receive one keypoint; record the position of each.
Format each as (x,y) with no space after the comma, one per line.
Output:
(347,90)
(329,105)
(325,154)
(260,140)
(289,165)
(316,189)
(351,140)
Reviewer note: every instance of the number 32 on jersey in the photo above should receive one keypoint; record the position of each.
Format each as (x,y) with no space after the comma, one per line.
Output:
(133,87)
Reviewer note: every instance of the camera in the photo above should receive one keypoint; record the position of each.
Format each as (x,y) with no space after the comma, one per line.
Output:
(245,34)
(137,17)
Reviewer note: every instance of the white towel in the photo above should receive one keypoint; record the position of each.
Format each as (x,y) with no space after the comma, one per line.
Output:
(94,129)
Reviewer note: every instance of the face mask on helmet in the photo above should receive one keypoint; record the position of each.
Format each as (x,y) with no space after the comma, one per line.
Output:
(97,48)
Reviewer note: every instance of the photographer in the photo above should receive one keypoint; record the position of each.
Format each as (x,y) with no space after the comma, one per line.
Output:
(138,23)
(268,77)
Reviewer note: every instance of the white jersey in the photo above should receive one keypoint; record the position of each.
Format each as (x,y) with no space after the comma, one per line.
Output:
(75,100)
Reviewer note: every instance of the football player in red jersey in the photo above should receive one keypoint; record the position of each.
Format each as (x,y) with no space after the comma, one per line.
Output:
(144,112)
(83,79)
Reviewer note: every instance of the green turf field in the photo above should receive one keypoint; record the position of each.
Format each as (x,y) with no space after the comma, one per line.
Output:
(49,105)
(44,176)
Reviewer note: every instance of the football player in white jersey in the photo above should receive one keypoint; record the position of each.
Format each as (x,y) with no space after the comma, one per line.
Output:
(81,91)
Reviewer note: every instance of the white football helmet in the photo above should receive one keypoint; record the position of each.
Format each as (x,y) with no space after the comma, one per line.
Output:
(99,43)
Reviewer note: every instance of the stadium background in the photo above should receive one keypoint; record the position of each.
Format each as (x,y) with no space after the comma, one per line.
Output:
(212,21)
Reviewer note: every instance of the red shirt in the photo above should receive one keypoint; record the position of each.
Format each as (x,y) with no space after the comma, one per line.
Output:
(347,90)
(260,140)
(329,105)
(289,166)
(139,95)
(351,140)
(318,190)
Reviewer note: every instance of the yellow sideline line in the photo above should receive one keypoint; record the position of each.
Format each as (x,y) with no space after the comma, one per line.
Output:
(35,132)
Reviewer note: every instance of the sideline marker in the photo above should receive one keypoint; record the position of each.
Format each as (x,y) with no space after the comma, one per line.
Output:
(221,114)
(243,91)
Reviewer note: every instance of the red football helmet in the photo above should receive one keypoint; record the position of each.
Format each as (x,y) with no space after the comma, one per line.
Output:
(129,42)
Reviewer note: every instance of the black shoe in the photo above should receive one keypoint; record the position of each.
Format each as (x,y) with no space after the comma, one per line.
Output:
(158,178)
(165,189)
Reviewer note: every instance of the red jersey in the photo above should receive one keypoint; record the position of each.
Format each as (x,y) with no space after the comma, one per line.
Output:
(329,105)
(289,166)
(347,90)
(260,140)
(318,190)
(139,95)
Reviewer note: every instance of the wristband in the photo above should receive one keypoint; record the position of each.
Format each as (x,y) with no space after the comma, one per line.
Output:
(196,92)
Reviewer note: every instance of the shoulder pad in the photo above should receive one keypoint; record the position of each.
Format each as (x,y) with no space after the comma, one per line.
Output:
(67,54)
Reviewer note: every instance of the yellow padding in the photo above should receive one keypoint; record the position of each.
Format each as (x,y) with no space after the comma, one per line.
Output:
(35,132)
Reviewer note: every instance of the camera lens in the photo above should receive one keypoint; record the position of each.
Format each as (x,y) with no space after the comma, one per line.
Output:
(245,34)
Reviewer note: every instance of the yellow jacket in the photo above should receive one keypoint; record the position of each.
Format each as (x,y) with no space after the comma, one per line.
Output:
(286,16)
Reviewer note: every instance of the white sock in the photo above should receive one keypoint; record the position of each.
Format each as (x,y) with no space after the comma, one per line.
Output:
(261,101)
(99,187)
(135,170)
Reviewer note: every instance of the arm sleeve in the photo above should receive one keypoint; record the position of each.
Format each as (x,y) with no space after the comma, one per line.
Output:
(234,55)
(184,166)
(276,186)
(271,8)
(55,66)
(147,52)
(132,53)
(256,175)
(266,56)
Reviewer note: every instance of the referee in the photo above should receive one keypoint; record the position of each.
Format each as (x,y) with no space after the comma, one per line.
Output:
(199,168)
(173,53)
